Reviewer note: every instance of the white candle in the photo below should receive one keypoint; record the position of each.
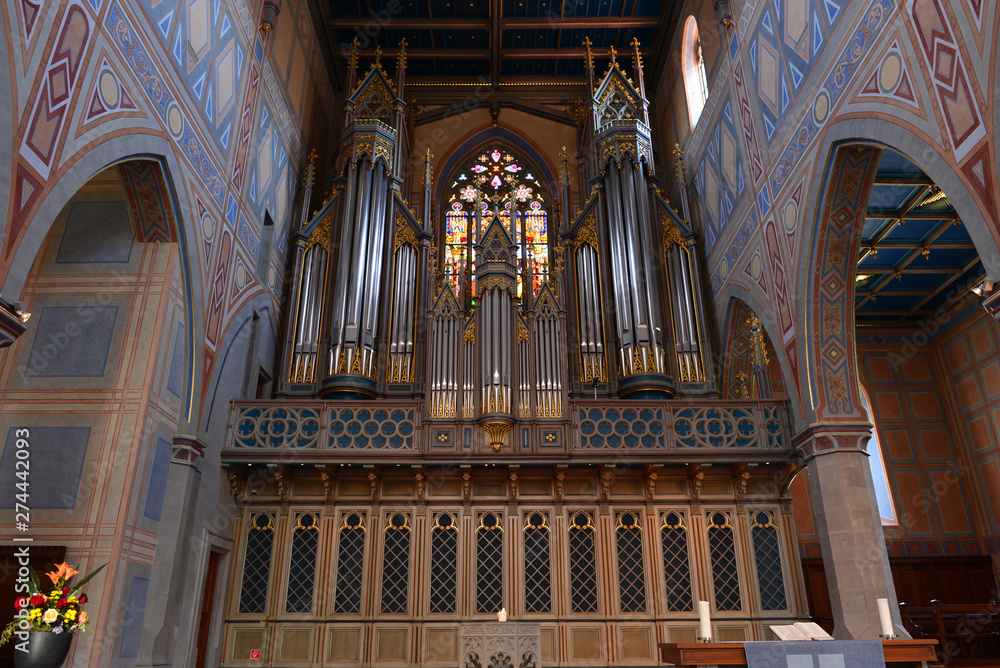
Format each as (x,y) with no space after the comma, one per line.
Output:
(885,617)
(502,615)
(705,620)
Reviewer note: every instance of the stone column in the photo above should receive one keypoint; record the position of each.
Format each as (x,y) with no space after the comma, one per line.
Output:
(169,586)
(842,496)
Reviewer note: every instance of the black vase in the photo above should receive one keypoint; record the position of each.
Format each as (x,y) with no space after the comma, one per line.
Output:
(45,650)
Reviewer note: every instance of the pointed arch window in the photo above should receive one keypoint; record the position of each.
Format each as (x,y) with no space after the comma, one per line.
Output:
(302,564)
(489,564)
(396,564)
(350,564)
(693,62)
(444,564)
(582,564)
(497,181)
(537,566)
(257,564)
(880,478)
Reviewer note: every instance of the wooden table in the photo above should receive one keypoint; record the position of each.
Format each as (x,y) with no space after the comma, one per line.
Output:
(899,653)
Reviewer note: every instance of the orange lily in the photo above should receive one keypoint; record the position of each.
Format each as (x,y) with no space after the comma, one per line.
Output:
(64,572)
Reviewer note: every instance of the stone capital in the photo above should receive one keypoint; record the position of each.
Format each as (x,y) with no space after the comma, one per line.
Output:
(820,439)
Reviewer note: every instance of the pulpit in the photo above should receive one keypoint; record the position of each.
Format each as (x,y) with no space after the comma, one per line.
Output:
(500,645)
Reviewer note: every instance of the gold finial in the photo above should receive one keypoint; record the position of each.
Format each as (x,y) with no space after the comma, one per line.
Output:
(311,169)
(679,160)
(590,58)
(758,344)
(352,61)
(614,53)
(401,61)
(378,54)
(636,56)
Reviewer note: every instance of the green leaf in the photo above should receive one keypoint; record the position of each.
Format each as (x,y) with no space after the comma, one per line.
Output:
(85,580)
(33,576)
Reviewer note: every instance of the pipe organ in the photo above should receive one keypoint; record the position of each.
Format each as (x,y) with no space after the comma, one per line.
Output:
(479,393)
(461,310)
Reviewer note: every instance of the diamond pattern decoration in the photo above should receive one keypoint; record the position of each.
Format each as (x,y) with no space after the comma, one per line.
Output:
(768,558)
(302,567)
(582,565)
(444,558)
(725,576)
(631,570)
(537,566)
(489,565)
(396,566)
(257,565)
(350,565)
(676,565)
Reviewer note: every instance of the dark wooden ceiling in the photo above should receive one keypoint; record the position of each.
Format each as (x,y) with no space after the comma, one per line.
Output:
(499,43)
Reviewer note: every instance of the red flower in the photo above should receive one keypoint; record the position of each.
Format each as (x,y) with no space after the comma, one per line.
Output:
(83,599)
(61,603)
(65,590)
(37,599)
(20,604)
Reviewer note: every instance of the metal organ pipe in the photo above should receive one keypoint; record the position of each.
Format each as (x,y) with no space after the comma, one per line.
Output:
(338,308)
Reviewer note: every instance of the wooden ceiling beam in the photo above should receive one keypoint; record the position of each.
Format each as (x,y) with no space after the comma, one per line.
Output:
(432,54)
(486,24)
(534,54)
(577,23)
(414,24)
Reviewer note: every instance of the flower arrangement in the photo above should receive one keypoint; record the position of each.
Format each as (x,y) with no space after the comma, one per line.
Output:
(58,609)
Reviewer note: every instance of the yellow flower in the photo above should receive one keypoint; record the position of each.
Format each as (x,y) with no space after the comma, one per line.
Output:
(50,616)
(84,618)
(55,593)
(34,614)
(70,615)
(72,599)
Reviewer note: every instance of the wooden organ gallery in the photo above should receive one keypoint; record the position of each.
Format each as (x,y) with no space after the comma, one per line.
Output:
(507,402)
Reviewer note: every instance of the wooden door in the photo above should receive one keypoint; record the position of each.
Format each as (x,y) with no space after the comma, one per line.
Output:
(207,597)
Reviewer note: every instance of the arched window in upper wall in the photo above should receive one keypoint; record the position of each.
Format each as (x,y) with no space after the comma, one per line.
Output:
(693,63)
(497,179)
(883,495)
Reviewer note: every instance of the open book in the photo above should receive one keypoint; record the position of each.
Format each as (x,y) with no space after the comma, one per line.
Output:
(801,631)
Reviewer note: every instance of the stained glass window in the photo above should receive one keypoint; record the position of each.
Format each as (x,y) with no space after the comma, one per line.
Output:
(499,182)
(631,569)
(725,573)
(257,564)
(767,554)
(396,564)
(537,567)
(582,565)
(350,564)
(489,564)
(444,563)
(302,565)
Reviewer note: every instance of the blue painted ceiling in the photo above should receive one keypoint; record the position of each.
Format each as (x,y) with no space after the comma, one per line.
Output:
(496,41)
(916,256)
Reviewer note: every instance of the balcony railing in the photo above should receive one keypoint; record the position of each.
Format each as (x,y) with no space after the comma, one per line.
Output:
(396,428)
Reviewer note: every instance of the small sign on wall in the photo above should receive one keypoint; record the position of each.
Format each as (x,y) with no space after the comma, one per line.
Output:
(255,654)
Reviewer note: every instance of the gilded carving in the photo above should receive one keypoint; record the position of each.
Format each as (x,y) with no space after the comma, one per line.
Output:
(321,235)
(587,234)
(522,333)
(470,332)
(404,234)
(671,235)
